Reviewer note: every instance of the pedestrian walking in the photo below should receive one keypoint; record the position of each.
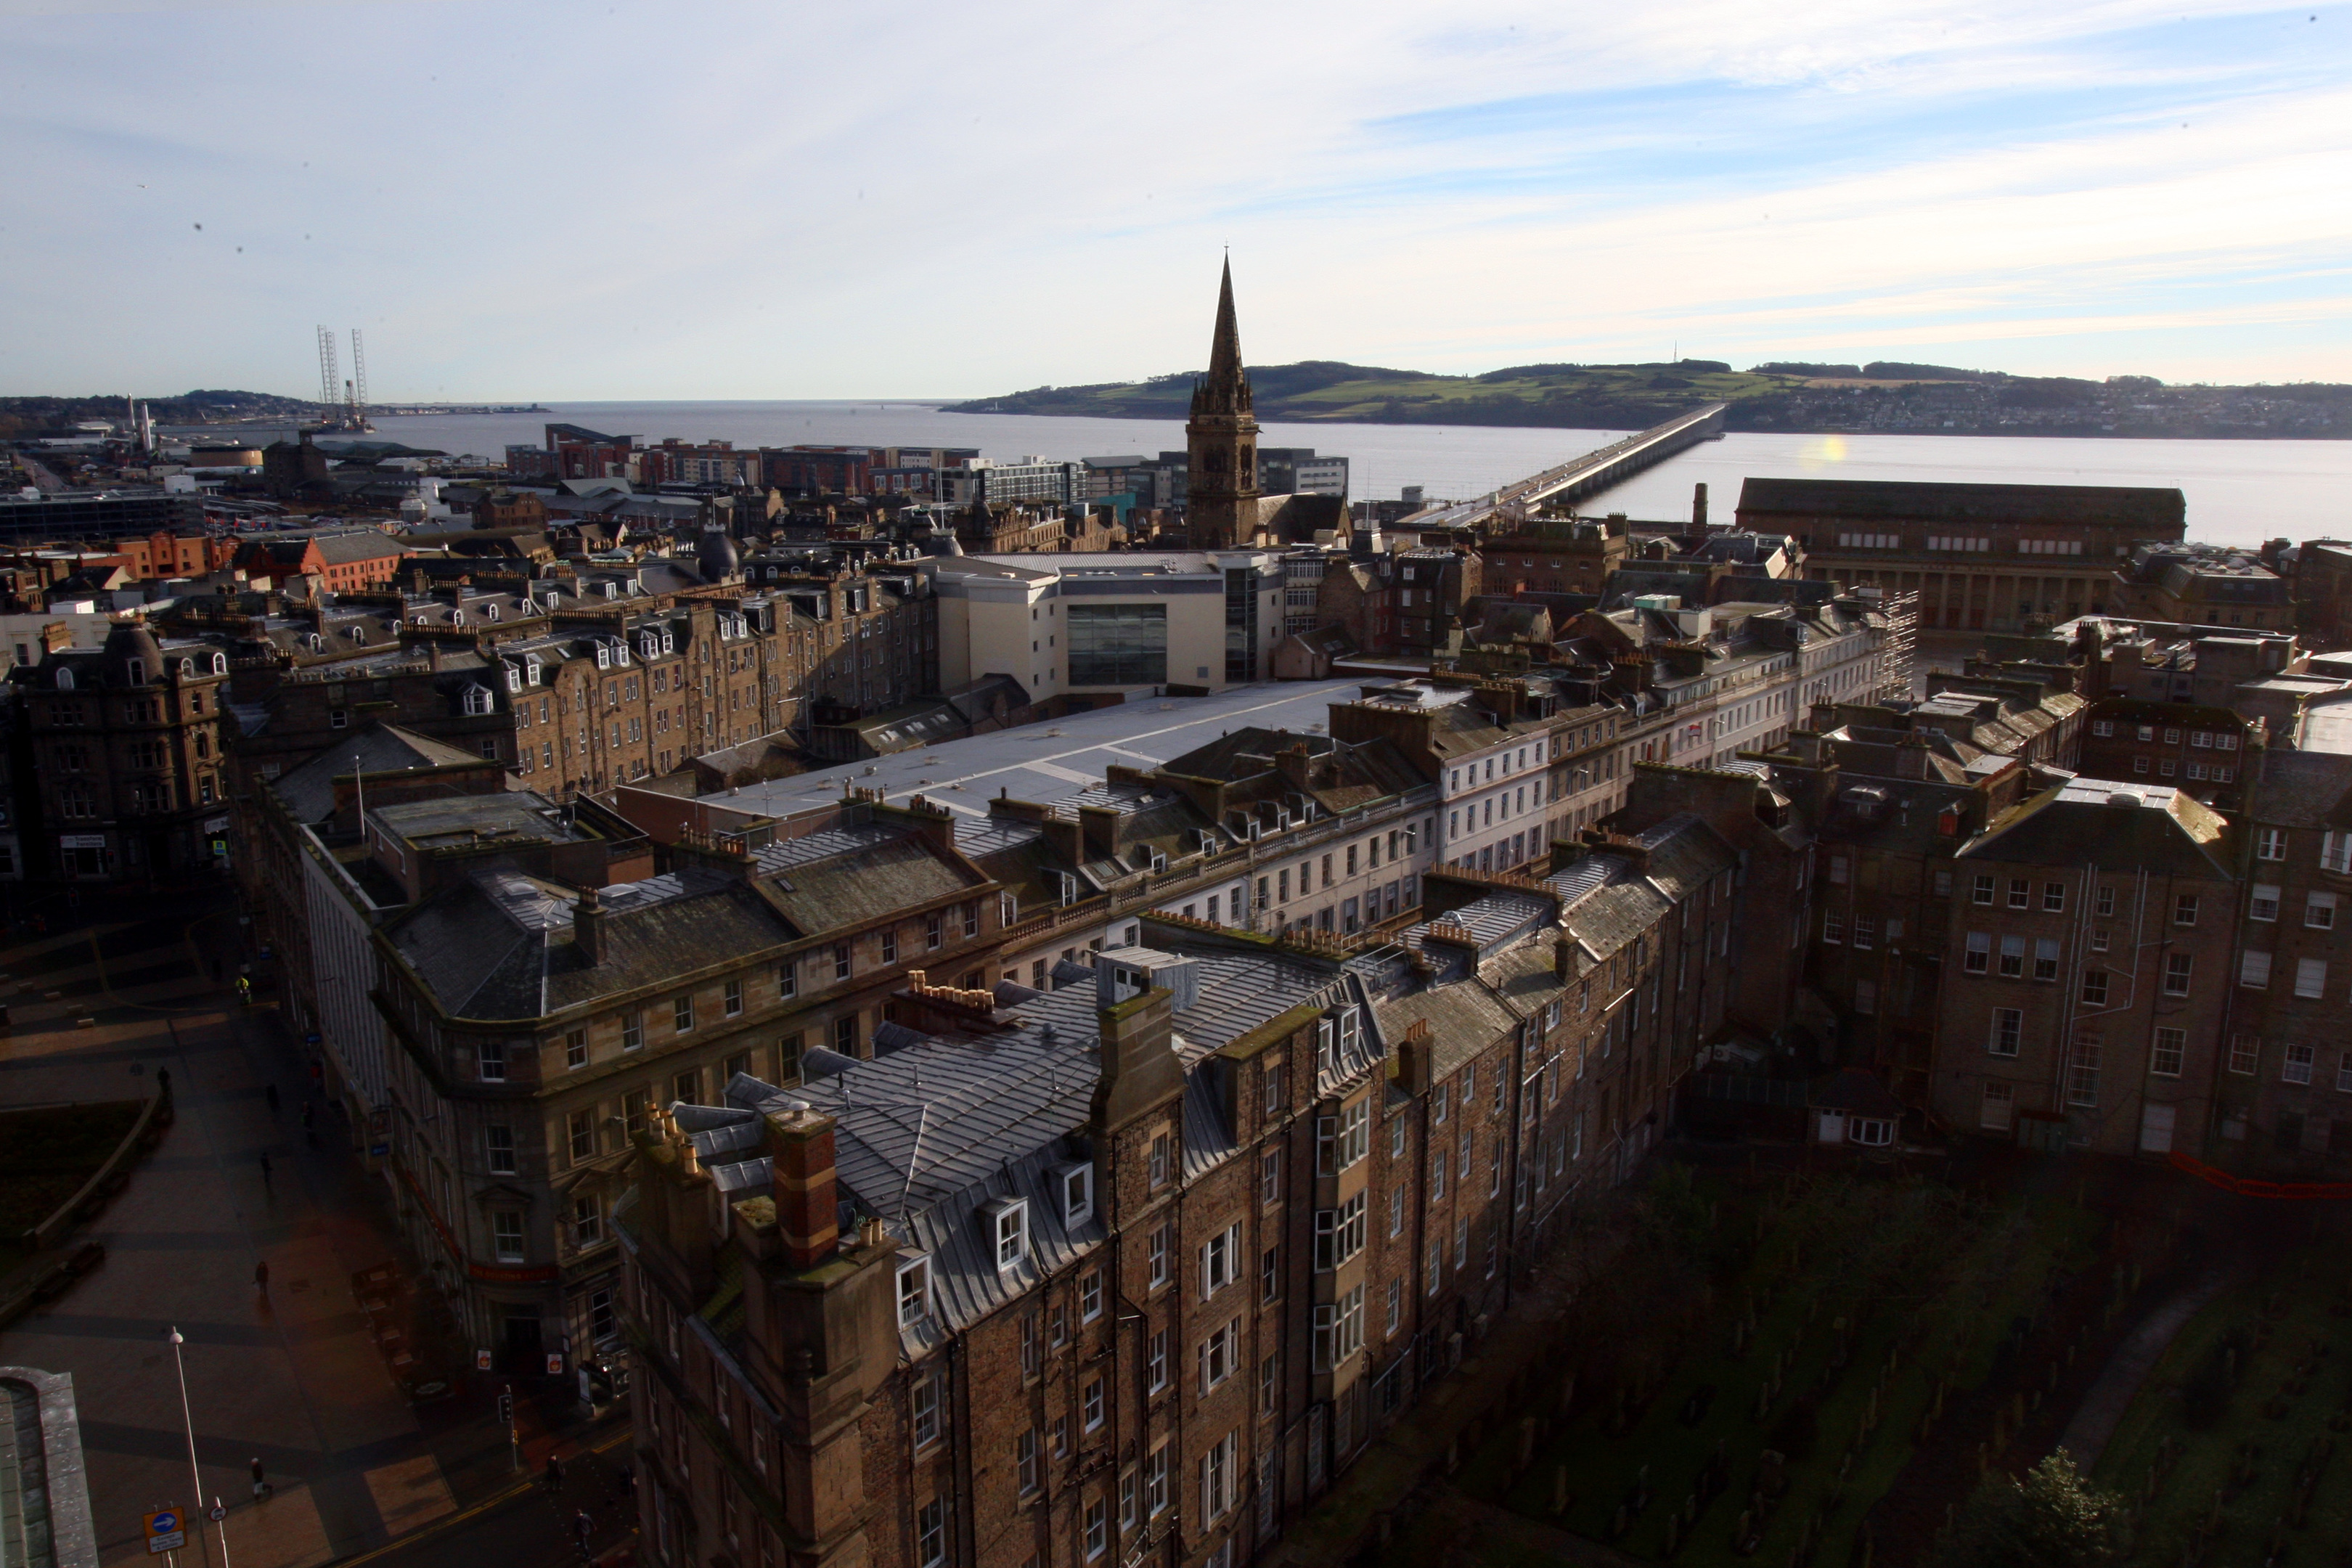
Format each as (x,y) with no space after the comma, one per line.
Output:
(261,1277)
(582,1526)
(243,990)
(261,1487)
(554,1475)
(271,1095)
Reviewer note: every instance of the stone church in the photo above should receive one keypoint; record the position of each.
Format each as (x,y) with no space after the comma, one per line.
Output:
(1224,510)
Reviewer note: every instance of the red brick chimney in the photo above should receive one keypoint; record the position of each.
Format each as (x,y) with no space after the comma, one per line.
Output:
(800,1153)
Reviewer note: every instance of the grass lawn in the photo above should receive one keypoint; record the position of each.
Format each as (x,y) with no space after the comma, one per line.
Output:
(45,1157)
(1855,1297)
(2276,1326)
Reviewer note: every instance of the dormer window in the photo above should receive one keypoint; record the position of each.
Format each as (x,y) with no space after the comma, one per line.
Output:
(514,679)
(478,700)
(914,1289)
(65,679)
(314,642)
(668,642)
(491,611)
(220,664)
(1008,1222)
(1077,1188)
(456,618)
(187,669)
(604,656)
(532,671)
(135,673)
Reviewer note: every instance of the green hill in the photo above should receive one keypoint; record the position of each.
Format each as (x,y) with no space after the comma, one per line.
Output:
(1567,396)
(1780,395)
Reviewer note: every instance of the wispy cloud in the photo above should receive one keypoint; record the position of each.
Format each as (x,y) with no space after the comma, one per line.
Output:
(753,200)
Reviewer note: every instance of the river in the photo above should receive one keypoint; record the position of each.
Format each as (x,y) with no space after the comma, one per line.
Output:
(2239,493)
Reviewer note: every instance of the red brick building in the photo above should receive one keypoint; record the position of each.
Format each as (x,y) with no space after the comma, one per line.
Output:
(343,562)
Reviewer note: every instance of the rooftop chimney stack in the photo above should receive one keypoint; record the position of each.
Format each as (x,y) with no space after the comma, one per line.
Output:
(800,1154)
(588,925)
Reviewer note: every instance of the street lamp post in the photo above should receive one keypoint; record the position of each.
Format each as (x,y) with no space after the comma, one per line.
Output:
(195,1483)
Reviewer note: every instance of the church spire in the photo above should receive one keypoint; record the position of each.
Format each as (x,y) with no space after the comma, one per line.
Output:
(1226,352)
(1221,438)
(1226,388)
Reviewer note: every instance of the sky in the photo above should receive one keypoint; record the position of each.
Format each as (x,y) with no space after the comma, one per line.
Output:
(520,199)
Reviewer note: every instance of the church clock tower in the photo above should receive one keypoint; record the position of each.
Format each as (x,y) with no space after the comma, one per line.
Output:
(1221,488)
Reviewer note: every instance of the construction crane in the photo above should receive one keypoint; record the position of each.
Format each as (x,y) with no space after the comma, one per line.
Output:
(359,383)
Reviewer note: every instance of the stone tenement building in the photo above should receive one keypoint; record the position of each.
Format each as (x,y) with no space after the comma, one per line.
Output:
(2087,971)
(125,748)
(2285,1093)
(580,685)
(1136,1268)
(536,1018)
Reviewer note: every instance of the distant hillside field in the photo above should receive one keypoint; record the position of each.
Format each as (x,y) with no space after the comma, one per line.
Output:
(1571,397)
(1883,395)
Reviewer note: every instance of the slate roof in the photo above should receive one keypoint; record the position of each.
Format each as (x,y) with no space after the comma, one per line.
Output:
(307,792)
(861,882)
(499,944)
(927,1134)
(2163,510)
(2304,789)
(2080,821)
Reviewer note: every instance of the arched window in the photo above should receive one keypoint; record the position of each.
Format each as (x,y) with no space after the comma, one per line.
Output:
(220,664)
(65,679)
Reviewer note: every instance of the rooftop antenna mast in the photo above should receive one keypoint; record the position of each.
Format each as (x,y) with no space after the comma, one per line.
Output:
(359,383)
(328,380)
